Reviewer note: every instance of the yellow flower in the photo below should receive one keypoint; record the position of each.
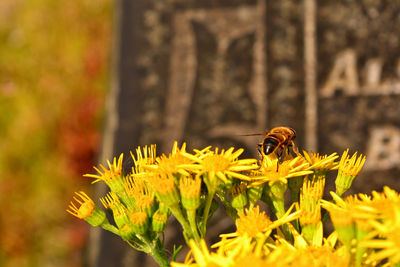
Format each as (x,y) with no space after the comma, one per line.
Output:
(348,170)
(246,251)
(190,192)
(388,194)
(321,163)
(387,240)
(358,208)
(114,170)
(348,210)
(171,164)
(253,224)
(120,212)
(202,257)
(339,215)
(163,185)
(258,253)
(139,192)
(323,253)
(286,255)
(202,151)
(87,210)
(139,221)
(383,202)
(220,164)
(313,190)
(385,236)
(144,156)
(112,177)
(310,197)
(127,231)
(110,200)
(134,185)
(190,187)
(351,166)
(145,202)
(273,172)
(159,221)
(350,217)
(86,207)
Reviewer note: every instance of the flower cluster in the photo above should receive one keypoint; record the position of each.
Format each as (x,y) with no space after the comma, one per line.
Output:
(188,185)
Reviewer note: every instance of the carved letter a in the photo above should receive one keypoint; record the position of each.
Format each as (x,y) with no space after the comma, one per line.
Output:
(343,76)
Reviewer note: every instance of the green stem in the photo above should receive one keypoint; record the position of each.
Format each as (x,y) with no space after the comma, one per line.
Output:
(276,197)
(240,210)
(135,247)
(295,194)
(177,211)
(110,227)
(229,210)
(155,249)
(297,225)
(326,215)
(279,206)
(267,199)
(193,225)
(158,255)
(209,200)
(276,194)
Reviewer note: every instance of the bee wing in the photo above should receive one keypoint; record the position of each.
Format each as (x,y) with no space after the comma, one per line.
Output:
(255,134)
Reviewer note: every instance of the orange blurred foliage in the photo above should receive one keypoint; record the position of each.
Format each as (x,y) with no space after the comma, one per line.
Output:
(54,67)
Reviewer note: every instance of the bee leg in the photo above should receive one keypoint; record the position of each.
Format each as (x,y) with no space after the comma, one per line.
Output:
(290,150)
(281,153)
(259,146)
(287,150)
(295,149)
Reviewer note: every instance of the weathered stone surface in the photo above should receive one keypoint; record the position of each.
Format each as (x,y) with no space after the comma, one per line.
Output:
(204,72)
(209,71)
(359,85)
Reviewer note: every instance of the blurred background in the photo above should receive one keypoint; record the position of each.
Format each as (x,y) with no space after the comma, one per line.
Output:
(83,82)
(54,73)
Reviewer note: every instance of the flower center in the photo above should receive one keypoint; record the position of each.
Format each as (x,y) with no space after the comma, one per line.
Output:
(86,209)
(215,163)
(274,175)
(253,222)
(138,218)
(172,163)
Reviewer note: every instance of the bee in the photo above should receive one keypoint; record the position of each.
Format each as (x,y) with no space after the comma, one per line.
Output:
(278,140)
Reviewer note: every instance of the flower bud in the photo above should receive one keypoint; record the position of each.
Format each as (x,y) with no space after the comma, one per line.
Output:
(139,222)
(87,210)
(127,231)
(190,192)
(239,196)
(159,221)
(254,194)
(349,168)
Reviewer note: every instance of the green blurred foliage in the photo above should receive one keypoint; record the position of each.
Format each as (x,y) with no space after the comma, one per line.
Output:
(54,62)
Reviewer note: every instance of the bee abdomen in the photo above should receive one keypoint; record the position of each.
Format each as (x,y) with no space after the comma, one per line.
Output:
(270,144)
